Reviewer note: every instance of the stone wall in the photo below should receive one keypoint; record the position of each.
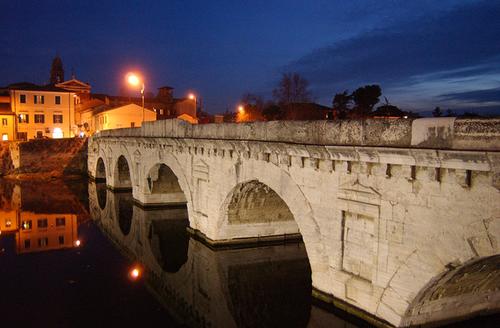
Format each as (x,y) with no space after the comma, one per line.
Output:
(46,158)
(428,133)
(383,207)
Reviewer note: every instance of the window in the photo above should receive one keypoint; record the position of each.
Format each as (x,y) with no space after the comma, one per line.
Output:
(22,135)
(5,137)
(132,124)
(27,243)
(22,99)
(39,118)
(37,99)
(4,121)
(24,118)
(58,100)
(42,223)
(61,240)
(43,241)
(8,223)
(58,118)
(60,222)
(39,134)
(26,225)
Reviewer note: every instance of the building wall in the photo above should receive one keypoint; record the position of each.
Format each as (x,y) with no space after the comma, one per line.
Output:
(7,127)
(186,106)
(49,108)
(122,117)
(33,238)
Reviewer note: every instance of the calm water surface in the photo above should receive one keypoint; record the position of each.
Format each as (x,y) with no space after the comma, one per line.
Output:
(68,253)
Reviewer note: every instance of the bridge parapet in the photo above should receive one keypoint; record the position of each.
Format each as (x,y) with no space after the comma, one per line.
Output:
(430,133)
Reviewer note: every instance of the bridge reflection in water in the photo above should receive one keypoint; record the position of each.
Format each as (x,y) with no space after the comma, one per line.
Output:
(268,286)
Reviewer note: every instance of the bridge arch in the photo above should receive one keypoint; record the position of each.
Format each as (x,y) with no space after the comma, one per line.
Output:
(165,183)
(273,186)
(122,174)
(458,293)
(100,172)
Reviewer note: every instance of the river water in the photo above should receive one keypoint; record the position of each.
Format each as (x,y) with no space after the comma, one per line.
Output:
(75,254)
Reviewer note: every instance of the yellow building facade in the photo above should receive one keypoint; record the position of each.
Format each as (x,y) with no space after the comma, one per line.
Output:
(43,232)
(7,126)
(127,116)
(42,112)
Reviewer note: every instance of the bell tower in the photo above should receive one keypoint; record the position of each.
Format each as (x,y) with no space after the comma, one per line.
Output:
(56,71)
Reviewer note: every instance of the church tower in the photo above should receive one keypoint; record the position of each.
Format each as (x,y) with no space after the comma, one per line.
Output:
(56,71)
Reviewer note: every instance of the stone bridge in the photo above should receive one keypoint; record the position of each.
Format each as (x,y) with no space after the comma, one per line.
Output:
(400,218)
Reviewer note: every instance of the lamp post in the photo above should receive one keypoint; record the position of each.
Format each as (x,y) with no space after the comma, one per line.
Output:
(134,80)
(193,97)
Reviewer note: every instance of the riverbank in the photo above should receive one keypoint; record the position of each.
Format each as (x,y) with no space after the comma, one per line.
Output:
(44,159)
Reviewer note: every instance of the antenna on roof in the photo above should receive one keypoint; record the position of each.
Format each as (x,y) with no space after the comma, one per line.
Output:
(73,73)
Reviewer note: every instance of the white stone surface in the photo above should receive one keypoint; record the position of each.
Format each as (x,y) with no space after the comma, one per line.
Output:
(375,233)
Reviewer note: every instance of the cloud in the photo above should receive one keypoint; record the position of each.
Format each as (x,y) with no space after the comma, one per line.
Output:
(462,41)
(485,95)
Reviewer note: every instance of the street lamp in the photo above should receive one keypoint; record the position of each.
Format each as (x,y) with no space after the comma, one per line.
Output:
(134,80)
(191,96)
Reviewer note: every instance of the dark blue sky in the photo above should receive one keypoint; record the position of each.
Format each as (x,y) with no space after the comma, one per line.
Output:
(423,53)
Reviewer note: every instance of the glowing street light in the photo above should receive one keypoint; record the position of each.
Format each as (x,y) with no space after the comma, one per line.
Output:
(135,272)
(241,109)
(134,80)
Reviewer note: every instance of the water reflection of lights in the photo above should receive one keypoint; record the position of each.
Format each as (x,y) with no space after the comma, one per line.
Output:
(135,273)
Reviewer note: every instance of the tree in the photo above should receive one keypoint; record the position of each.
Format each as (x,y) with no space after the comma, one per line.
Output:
(292,88)
(340,104)
(365,98)
(272,112)
(437,112)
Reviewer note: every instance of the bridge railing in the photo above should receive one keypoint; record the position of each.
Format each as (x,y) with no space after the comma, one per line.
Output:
(433,133)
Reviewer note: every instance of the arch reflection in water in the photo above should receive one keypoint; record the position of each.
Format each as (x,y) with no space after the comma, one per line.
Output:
(251,287)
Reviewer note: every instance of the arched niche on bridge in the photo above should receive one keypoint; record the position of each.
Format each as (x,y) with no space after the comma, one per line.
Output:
(162,180)
(123,179)
(254,202)
(100,172)
(463,292)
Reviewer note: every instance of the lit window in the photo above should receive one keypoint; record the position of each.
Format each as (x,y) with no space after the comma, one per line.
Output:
(57,134)
(58,118)
(8,223)
(42,223)
(60,222)
(58,100)
(24,118)
(38,99)
(5,137)
(39,118)
(26,225)
(22,99)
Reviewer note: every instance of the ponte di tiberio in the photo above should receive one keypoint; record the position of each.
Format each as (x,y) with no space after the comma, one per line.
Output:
(400,218)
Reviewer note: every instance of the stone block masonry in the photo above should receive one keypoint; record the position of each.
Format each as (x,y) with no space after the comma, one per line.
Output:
(44,159)
(386,208)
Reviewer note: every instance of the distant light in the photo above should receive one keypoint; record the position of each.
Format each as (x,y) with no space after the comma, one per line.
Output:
(133,79)
(191,96)
(241,109)
(82,134)
(135,273)
(78,243)
(57,134)
(405,116)
(5,137)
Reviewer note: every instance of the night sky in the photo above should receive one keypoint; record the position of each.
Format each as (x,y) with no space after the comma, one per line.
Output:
(423,53)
